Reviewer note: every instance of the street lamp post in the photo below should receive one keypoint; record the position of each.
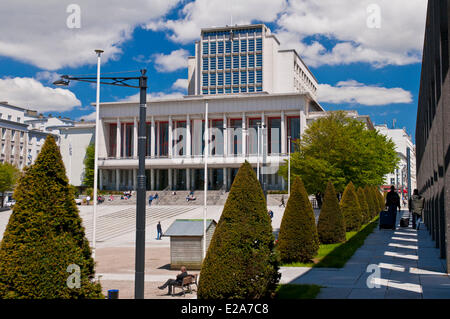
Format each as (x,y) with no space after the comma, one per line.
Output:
(141,178)
(289,166)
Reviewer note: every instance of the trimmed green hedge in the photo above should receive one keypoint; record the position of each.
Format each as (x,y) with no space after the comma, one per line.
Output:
(350,209)
(331,224)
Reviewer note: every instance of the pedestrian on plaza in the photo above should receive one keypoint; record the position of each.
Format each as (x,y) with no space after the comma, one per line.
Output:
(150,199)
(88,199)
(270,212)
(282,201)
(393,202)
(158,231)
(171,282)
(416,205)
(156,198)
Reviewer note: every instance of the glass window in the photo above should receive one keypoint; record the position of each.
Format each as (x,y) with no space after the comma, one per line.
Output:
(235,46)
(244,45)
(236,90)
(228,62)
(274,136)
(228,78)
(235,136)
(251,77)
(236,62)
(205,47)
(216,147)
(205,92)
(212,91)
(213,48)
(228,46)
(251,89)
(259,76)
(251,61)
(212,64)
(259,60)
(112,140)
(243,77)
(220,47)
(163,138)
(293,130)
(212,79)
(220,91)
(227,90)
(259,89)
(251,45)
(259,44)
(243,89)
(220,63)
(243,61)
(148,133)
(220,79)
(235,77)
(205,64)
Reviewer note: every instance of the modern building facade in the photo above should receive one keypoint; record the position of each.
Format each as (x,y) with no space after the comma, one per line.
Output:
(433,126)
(399,178)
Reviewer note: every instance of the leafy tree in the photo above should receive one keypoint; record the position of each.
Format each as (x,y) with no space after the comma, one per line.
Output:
(331,224)
(298,239)
(89,165)
(8,177)
(371,202)
(350,209)
(241,262)
(340,149)
(45,236)
(364,206)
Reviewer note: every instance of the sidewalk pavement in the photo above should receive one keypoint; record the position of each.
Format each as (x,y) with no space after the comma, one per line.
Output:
(406,260)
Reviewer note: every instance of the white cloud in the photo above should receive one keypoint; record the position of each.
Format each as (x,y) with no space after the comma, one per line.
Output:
(47,76)
(30,93)
(88,117)
(354,92)
(208,13)
(38,34)
(180,84)
(306,24)
(174,61)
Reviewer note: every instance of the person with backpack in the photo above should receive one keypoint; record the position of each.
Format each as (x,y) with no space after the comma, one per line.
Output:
(393,202)
(416,205)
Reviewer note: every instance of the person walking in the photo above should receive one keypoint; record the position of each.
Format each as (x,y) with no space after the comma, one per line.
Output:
(158,231)
(393,202)
(150,199)
(282,201)
(416,205)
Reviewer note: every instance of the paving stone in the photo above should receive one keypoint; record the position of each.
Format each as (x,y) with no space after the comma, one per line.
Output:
(334,293)
(432,293)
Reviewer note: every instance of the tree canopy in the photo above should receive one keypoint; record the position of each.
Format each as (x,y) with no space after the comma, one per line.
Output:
(8,176)
(89,166)
(341,149)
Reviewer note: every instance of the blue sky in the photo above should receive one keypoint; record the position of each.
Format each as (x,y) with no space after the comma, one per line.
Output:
(365,59)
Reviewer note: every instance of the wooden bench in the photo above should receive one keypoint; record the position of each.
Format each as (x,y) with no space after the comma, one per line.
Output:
(188,281)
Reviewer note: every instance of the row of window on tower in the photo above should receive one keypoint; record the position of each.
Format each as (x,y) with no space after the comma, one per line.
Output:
(236,46)
(214,34)
(232,78)
(235,62)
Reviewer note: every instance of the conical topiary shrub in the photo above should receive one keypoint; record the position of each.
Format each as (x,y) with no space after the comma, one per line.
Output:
(380,200)
(298,240)
(350,208)
(370,201)
(365,213)
(44,236)
(331,225)
(241,262)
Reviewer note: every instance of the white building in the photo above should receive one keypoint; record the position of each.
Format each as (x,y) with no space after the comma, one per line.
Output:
(247,82)
(402,141)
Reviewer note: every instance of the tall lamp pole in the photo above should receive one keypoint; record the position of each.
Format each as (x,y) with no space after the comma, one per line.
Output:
(141,178)
(205,182)
(97,118)
(289,166)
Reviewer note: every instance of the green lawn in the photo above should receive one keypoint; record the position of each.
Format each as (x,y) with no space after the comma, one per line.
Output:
(297,291)
(336,255)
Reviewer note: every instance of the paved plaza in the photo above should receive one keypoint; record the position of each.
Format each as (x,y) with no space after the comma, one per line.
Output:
(407,259)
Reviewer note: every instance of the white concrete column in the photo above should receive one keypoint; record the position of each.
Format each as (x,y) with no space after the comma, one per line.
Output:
(302,123)
(169,175)
(225,136)
(153,138)
(170,142)
(244,135)
(152,179)
(283,134)
(135,138)
(118,139)
(117,179)
(188,136)
(188,179)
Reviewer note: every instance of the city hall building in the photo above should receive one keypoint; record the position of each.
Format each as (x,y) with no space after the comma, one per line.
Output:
(258,99)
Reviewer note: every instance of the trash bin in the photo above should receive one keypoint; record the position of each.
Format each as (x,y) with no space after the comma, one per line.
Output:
(113,294)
